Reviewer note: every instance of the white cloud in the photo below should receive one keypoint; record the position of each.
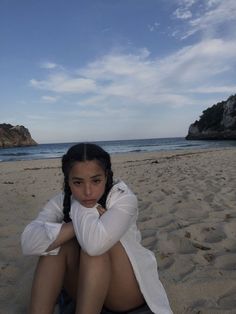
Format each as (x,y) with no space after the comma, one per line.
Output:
(153,27)
(187,3)
(48,65)
(183,14)
(210,3)
(34,117)
(230,89)
(49,99)
(116,65)
(200,62)
(139,81)
(207,17)
(62,83)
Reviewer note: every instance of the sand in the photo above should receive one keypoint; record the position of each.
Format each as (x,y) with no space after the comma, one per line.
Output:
(187,204)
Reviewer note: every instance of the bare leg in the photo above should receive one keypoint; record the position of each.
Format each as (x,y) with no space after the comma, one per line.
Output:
(94,279)
(47,283)
(49,278)
(107,279)
(124,292)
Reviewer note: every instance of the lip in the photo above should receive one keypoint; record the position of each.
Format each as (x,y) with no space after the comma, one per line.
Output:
(90,203)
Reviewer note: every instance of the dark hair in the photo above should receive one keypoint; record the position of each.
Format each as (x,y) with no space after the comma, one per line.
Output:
(85,152)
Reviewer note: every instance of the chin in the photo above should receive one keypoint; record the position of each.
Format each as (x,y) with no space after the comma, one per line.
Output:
(88,204)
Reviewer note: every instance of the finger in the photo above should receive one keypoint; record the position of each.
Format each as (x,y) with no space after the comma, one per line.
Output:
(100,210)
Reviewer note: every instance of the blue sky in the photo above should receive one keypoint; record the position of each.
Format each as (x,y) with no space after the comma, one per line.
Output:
(74,70)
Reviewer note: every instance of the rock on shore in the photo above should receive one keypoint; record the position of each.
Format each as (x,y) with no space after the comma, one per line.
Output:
(216,123)
(15,136)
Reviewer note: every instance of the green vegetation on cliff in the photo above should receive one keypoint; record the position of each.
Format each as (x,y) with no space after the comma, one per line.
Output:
(216,122)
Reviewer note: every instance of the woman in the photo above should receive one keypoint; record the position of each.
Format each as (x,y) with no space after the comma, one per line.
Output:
(89,244)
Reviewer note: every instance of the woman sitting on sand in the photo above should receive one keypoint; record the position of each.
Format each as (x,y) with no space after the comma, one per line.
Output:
(89,244)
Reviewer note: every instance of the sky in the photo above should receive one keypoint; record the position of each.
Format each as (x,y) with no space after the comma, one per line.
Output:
(88,70)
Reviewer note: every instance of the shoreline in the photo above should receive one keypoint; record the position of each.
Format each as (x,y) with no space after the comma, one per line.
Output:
(136,154)
(119,147)
(187,217)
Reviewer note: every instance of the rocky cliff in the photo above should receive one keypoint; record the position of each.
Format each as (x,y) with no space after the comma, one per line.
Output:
(15,136)
(216,123)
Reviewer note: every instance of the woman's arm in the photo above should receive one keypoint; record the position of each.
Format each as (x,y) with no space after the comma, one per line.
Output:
(97,234)
(40,233)
(66,233)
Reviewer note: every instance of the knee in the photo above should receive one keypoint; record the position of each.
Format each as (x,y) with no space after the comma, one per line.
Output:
(71,245)
(102,260)
(106,257)
(70,250)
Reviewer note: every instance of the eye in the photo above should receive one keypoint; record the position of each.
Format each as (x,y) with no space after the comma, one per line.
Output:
(77,183)
(97,181)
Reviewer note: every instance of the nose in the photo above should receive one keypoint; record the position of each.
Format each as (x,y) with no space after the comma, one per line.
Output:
(87,189)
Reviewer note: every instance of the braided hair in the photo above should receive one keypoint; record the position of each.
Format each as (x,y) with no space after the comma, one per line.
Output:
(85,152)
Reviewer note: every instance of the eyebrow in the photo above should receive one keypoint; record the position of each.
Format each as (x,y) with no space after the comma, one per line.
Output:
(93,177)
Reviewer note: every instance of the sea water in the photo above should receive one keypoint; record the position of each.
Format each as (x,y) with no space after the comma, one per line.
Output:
(56,150)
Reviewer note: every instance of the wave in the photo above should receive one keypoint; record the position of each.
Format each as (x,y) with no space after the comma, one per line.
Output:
(16,154)
(137,150)
(191,145)
(48,151)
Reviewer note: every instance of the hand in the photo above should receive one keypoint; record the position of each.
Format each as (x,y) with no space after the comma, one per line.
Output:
(100,210)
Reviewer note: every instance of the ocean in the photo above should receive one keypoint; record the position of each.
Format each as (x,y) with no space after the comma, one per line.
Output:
(56,150)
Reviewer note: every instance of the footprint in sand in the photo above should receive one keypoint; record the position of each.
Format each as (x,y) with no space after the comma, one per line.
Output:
(230,229)
(181,268)
(230,245)
(226,262)
(196,307)
(214,235)
(164,261)
(209,234)
(228,301)
(175,244)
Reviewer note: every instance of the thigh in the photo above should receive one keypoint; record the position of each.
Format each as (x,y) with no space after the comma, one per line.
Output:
(72,254)
(50,274)
(124,292)
(143,309)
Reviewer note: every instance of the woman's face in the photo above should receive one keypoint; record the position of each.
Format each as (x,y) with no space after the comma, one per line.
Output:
(87,181)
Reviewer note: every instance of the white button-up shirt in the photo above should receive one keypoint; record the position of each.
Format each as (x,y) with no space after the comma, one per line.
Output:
(97,234)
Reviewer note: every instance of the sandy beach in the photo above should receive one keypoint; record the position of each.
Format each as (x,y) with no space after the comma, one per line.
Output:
(187,216)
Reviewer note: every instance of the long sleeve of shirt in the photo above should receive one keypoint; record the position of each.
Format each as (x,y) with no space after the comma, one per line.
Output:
(97,234)
(41,232)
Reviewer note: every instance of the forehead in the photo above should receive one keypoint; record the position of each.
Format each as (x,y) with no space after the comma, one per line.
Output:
(86,168)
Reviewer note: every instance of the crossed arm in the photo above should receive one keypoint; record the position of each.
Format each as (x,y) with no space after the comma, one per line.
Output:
(96,229)
(67,232)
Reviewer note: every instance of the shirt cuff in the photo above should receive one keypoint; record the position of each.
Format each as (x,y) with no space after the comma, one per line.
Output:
(52,231)
(52,252)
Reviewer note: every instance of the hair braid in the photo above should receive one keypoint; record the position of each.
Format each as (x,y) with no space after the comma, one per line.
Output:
(66,201)
(108,187)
